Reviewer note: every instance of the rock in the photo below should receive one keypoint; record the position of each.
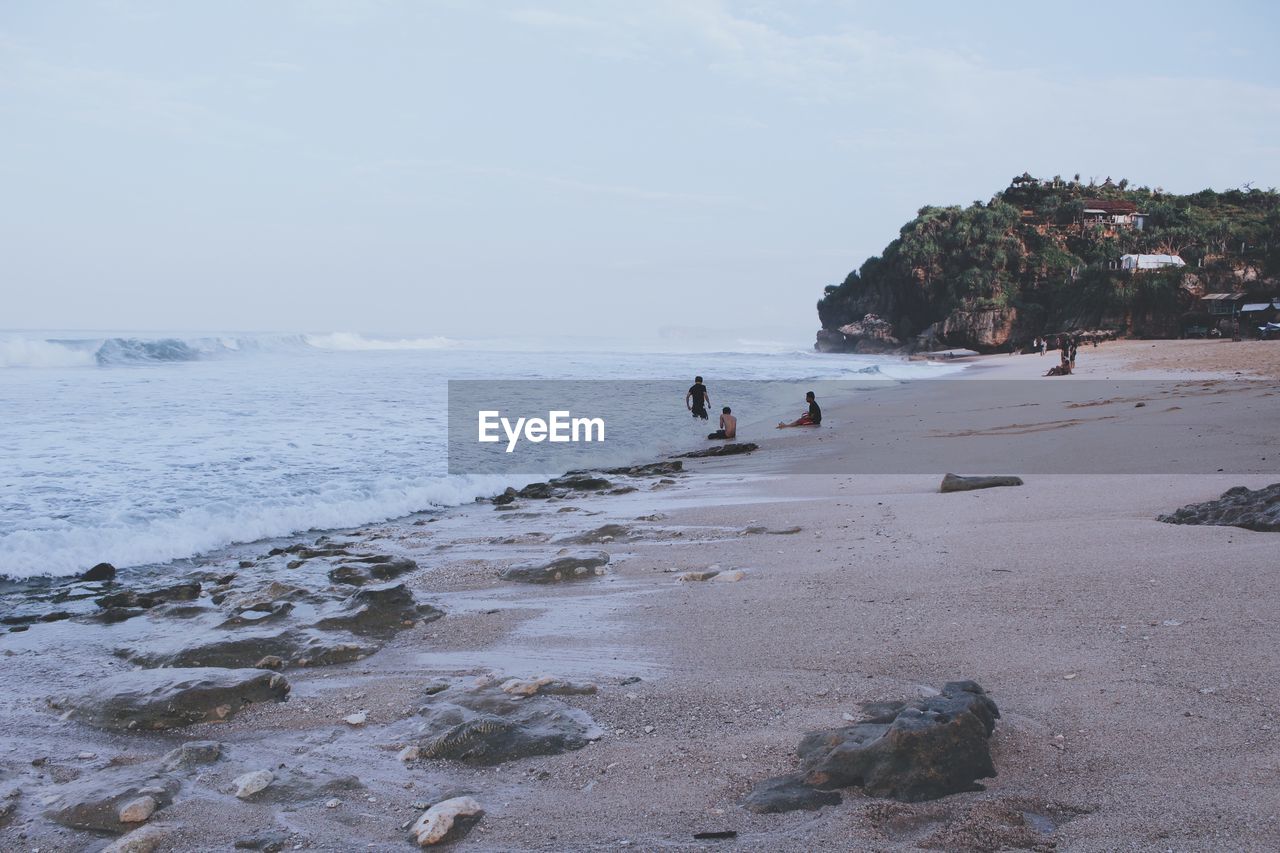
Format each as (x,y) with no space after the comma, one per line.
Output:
(581,481)
(1252,509)
(957,483)
(782,531)
(100,572)
(297,785)
(409,753)
(191,754)
(687,577)
(138,810)
(373,569)
(720,450)
(170,698)
(253,782)
(447,820)
(245,647)
(481,724)
(272,662)
(148,598)
(573,565)
(266,598)
(546,685)
(788,794)
(604,533)
(268,842)
(537,491)
(356,719)
(146,839)
(101,802)
(379,611)
(8,804)
(909,751)
(729,576)
(653,469)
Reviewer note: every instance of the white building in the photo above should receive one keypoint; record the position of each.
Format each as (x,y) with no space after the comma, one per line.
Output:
(1150,262)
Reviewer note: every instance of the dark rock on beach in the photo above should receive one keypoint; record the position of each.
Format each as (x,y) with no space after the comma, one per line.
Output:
(720,450)
(112,802)
(581,481)
(246,647)
(652,469)
(908,751)
(480,723)
(788,794)
(148,598)
(566,566)
(171,698)
(100,572)
(379,611)
(373,569)
(1252,509)
(957,483)
(604,533)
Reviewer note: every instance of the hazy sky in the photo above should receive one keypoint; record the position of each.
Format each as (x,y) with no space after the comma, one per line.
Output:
(590,168)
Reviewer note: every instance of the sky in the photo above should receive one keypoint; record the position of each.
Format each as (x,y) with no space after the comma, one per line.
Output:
(685,170)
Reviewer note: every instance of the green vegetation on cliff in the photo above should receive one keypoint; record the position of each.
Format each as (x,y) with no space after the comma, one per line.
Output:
(1040,258)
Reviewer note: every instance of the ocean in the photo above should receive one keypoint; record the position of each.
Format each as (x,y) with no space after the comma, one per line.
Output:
(138,449)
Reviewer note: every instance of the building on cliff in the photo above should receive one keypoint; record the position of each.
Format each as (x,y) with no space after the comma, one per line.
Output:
(1116,212)
(1150,262)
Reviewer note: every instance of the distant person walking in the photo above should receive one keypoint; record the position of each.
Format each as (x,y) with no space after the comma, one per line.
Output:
(1075,344)
(728,426)
(697,399)
(813,417)
(1043,344)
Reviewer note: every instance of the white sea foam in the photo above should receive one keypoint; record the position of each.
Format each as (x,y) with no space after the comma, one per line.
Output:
(231,438)
(353,342)
(36,352)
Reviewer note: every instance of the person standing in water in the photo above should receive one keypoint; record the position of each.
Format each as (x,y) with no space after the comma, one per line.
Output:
(728,426)
(696,398)
(813,417)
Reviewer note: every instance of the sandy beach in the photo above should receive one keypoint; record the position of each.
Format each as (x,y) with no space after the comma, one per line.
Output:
(1133,661)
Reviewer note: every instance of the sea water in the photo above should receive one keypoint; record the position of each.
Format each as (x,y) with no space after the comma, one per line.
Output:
(138,450)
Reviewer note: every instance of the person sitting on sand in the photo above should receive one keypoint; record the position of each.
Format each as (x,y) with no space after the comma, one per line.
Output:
(728,426)
(812,418)
(696,398)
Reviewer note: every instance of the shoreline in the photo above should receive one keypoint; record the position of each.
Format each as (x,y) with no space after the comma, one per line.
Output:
(1057,597)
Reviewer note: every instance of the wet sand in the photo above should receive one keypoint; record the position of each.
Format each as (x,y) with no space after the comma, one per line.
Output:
(1133,661)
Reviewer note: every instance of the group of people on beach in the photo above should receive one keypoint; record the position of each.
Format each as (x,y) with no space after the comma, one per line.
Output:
(697,399)
(1067,346)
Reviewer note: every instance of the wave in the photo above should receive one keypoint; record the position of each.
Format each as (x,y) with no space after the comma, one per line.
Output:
(198,531)
(353,341)
(30,352)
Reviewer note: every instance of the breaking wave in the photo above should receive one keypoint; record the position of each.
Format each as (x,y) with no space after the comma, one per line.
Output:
(33,352)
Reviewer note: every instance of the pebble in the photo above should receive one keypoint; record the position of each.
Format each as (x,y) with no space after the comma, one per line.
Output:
(251,783)
(356,719)
(648,730)
(409,753)
(332,804)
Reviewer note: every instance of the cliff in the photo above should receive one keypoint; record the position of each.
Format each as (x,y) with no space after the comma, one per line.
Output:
(1044,256)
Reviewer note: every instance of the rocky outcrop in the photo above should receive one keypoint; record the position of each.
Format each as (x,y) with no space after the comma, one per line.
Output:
(907,751)
(957,483)
(481,723)
(112,802)
(565,566)
(248,647)
(869,335)
(721,450)
(1252,509)
(379,611)
(170,698)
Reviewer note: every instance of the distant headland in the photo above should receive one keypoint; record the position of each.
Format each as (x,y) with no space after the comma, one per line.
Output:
(1047,256)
